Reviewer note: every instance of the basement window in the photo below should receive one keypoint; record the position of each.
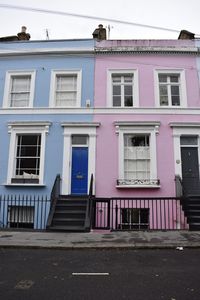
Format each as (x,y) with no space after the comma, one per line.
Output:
(134,218)
(21,217)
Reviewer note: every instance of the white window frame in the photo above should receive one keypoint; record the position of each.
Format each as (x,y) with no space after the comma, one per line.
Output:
(137,128)
(183,93)
(8,80)
(135,87)
(16,129)
(54,73)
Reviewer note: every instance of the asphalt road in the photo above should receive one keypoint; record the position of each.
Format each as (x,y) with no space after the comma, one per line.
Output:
(99,274)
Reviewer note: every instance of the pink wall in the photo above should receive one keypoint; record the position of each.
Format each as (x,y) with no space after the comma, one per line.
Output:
(107,140)
(107,156)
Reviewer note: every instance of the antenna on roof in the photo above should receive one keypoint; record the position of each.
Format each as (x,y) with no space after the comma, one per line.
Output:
(109,30)
(47,34)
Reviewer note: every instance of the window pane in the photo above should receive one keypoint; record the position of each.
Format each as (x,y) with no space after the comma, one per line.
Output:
(163,100)
(175,90)
(79,140)
(128,90)
(128,78)
(163,95)
(20,83)
(116,101)
(162,78)
(175,100)
(66,82)
(116,78)
(66,99)
(116,90)
(128,101)
(174,78)
(189,140)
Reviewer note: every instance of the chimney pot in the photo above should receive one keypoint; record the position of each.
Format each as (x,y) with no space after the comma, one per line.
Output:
(23,36)
(24,29)
(99,33)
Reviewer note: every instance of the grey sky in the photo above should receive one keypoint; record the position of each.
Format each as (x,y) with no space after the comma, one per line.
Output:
(174,14)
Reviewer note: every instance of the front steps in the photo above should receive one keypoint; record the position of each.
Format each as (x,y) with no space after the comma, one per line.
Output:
(70,214)
(191,206)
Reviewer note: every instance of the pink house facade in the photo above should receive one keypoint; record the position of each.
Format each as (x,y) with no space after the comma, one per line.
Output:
(147,103)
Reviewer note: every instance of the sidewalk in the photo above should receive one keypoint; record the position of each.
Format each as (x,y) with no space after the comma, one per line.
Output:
(133,239)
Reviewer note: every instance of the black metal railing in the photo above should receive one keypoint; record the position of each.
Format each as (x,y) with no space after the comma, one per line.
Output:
(179,186)
(24,212)
(88,219)
(138,214)
(55,192)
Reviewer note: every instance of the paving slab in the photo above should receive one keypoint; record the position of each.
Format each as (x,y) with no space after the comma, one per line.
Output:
(129,239)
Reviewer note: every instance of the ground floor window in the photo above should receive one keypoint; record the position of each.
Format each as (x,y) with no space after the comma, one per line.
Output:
(27,158)
(137,154)
(21,217)
(134,218)
(27,152)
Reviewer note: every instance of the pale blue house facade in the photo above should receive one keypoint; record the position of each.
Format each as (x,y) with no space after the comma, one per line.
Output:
(46,100)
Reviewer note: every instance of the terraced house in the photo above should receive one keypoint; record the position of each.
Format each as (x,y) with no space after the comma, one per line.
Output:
(100,134)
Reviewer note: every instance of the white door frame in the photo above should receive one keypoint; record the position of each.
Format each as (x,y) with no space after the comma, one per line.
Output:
(70,129)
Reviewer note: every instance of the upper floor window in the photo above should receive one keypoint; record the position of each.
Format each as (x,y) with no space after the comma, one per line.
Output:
(19,89)
(65,89)
(123,88)
(169,88)
(171,91)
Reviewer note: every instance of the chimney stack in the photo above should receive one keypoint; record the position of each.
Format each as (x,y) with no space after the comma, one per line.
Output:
(186,35)
(23,35)
(99,33)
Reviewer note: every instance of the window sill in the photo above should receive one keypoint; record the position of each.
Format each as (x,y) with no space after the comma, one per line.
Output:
(138,183)
(25,184)
(138,186)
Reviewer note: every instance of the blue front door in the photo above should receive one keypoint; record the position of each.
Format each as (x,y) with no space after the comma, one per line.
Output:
(79,176)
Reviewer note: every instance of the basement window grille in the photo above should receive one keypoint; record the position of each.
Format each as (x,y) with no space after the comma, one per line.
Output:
(134,218)
(21,217)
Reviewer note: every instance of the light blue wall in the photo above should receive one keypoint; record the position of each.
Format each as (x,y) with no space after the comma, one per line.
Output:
(43,64)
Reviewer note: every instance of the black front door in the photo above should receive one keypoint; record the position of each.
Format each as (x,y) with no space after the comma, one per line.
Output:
(190,170)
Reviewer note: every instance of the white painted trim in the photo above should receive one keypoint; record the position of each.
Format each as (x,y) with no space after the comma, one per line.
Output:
(184,124)
(135,129)
(54,73)
(147,49)
(138,186)
(9,74)
(67,153)
(14,129)
(183,93)
(80,124)
(135,86)
(177,133)
(34,51)
(101,111)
